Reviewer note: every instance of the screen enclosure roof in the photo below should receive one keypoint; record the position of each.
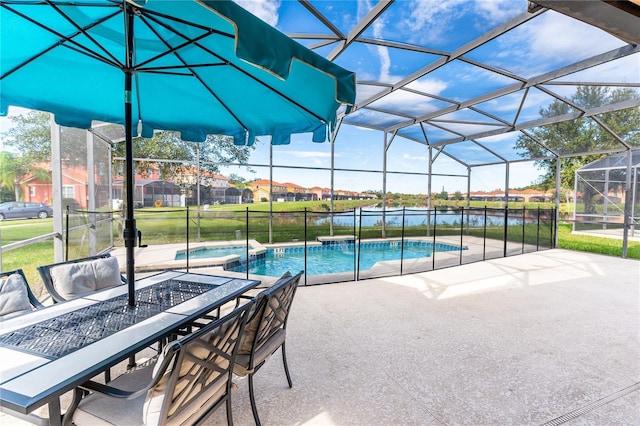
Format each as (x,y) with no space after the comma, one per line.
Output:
(476,79)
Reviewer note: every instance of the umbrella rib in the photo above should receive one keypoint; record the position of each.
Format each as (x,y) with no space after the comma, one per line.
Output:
(153,15)
(81,49)
(177,55)
(84,30)
(273,89)
(163,70)
(171,49)
(225,61)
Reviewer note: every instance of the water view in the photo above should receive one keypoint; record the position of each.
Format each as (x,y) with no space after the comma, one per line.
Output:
(342,257)
(372,216)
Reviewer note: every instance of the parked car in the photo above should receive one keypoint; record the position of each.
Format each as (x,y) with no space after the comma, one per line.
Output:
(24,210)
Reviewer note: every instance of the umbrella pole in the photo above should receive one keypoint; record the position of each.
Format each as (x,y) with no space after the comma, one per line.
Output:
(130,223)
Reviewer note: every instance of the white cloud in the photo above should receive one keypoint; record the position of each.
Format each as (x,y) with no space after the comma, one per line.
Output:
(430,21)
(364,6)
(494,12)
(267,10)
(625,70)
(431,86)
(415,157)
(550,40)
(411,103)
(434,15)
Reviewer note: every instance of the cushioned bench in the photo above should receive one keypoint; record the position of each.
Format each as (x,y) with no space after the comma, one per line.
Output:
(76,278)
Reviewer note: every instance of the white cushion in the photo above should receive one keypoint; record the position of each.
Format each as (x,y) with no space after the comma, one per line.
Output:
(106,272)
(73,279)
(13,295)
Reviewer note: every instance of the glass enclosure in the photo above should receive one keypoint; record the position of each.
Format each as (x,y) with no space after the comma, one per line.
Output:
(601,194)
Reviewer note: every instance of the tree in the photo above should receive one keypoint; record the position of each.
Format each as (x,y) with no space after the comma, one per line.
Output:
(582,134)
(13,169)
(168,146)
(375,192)
(237,180)
(443,195)
(30,135)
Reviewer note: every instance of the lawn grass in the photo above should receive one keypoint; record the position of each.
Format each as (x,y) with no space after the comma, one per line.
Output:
(12,231)
(591,244)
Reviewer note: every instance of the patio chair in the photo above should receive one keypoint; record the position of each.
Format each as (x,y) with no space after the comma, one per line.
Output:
(16,296)
(190,380)
(266,331)
(78,277)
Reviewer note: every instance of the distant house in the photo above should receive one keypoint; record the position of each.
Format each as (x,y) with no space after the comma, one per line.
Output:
(233,195)
(278,191)
(300,193)
(213,187)
(527,195)
(317,192)
(151,193)
(74,188)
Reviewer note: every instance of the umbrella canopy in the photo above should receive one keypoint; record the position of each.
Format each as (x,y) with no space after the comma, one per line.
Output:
(194,66)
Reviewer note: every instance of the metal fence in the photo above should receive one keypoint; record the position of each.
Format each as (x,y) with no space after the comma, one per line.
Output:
(330,247)
(344,246)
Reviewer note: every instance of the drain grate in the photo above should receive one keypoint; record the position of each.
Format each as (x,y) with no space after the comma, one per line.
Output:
(596,404)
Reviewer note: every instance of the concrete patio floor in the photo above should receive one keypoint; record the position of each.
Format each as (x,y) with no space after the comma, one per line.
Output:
(547,337)
(540,338)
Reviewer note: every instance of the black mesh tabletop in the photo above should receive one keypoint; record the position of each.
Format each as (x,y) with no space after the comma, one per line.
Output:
(59,336)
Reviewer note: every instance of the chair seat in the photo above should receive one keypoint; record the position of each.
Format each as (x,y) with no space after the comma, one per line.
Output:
(189,380)
(242,360)
(98,409)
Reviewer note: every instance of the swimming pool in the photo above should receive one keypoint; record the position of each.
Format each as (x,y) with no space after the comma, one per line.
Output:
(339,257)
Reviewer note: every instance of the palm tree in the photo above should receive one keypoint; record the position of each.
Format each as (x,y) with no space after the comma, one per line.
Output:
(14,169)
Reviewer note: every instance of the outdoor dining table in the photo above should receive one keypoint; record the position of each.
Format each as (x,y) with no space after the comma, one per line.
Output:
(50,351)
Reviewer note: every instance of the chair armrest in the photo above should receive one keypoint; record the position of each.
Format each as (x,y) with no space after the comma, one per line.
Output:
(113,391)
(245,296)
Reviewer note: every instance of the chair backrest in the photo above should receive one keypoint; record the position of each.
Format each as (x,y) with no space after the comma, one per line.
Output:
(15,294)
(75,278)
(270,313)
(193,376)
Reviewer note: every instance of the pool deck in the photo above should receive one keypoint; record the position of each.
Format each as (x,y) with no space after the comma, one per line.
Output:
(159,257)
(543,338)
(163,256)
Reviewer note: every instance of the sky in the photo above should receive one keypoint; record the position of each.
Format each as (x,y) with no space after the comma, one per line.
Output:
(529,50)
(536,47)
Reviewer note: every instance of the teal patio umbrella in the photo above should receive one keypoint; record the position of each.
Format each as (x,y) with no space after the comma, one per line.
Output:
(194,66)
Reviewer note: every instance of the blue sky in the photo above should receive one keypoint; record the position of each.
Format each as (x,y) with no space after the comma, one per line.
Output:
(536,47)
(539,46)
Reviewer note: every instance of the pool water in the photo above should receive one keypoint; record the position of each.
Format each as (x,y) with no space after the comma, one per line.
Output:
(335,258)
(211,252)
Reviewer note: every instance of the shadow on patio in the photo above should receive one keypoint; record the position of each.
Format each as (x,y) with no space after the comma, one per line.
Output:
(545,336)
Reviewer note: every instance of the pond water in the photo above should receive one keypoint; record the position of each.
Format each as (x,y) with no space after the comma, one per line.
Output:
(417,217)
